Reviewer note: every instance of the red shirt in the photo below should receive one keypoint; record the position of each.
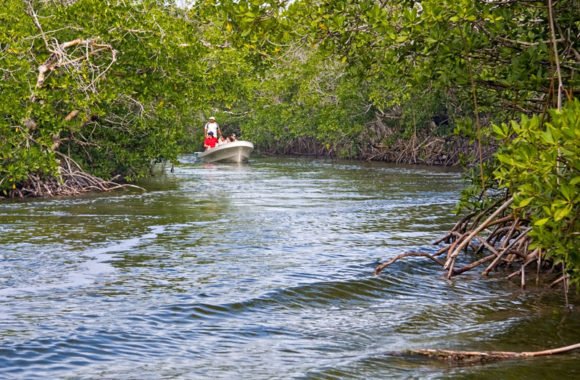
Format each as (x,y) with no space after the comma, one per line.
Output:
(210,142)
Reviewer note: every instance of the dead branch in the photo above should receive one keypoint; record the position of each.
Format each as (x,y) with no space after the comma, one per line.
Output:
(60,58)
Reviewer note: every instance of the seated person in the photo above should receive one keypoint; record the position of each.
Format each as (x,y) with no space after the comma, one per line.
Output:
(210,141)
(222,140)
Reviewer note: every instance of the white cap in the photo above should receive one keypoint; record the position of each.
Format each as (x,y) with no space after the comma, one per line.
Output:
(212,118)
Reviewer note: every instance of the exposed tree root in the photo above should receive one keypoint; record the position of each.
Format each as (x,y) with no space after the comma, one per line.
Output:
(424,146)
(429,150)
(72,180)
(426,149)
(487,356)
(380,267)
(496,239)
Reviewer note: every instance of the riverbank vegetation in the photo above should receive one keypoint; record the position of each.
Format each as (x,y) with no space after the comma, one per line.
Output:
(528,215)
(487,84)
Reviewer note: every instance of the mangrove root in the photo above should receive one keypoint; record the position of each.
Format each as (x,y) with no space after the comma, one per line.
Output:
(497,239)
(382,266)
(72,180)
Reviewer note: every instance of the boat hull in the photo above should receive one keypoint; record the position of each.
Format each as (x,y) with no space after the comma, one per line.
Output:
(234,152)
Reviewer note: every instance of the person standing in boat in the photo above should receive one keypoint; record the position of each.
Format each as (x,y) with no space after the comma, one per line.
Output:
(212,126)
(210,141)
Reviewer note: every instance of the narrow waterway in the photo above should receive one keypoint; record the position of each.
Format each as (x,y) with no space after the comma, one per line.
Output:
(258,271)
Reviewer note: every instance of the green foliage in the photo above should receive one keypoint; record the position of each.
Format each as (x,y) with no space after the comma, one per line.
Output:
(539,163)
(333,72)
(306,96)
(342,76)
(398,62)
(19,153)
(127,74)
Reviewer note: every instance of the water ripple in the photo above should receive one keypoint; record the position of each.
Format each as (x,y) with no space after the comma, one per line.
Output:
(260,271)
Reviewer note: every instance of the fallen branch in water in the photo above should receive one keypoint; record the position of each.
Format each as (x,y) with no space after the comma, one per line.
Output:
(487,356)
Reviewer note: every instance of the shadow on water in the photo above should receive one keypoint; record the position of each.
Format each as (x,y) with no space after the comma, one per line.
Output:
(258,271)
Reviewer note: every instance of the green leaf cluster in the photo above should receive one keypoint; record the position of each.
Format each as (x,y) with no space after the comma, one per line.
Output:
(399,64)
(539,163)
(125,70)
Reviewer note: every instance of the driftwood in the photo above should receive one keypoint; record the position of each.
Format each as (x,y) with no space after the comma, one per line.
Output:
(487,356)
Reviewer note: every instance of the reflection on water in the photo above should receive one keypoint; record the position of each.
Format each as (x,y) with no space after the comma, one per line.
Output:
(257,271)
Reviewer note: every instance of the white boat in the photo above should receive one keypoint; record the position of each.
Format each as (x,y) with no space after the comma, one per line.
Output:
(236,152)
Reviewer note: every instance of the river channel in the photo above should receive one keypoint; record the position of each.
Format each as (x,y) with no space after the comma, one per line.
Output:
(259,271)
